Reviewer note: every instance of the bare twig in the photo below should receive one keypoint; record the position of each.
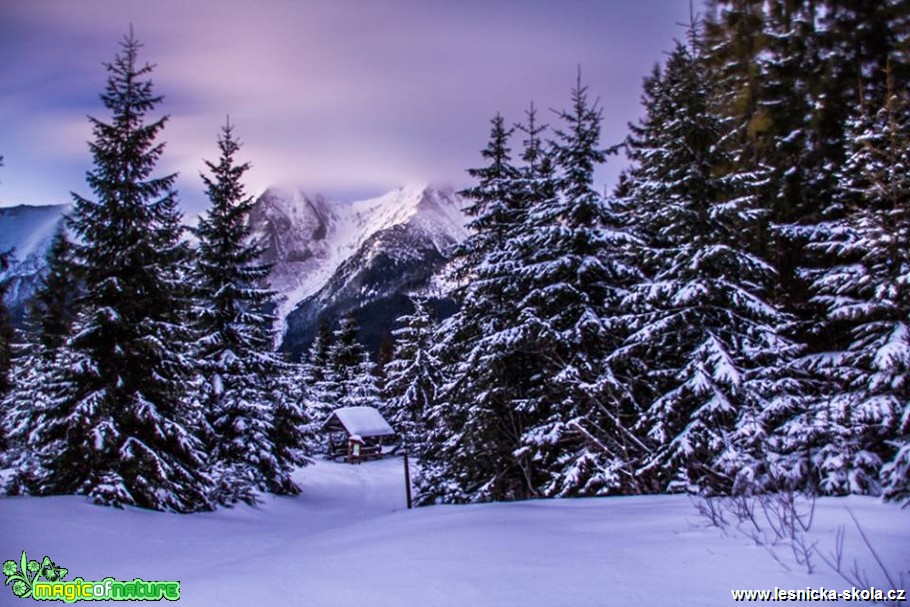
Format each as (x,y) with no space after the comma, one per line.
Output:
(788,518)
(866,541)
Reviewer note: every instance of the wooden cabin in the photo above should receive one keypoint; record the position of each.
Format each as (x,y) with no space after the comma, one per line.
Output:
(356,433)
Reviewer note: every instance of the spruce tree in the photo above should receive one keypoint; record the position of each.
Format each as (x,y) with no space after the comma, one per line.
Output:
(491,204)
(30,410)
(257,428)
(863,420)
(703,331)
(315,388)
(121,427)
(350,381)
(53,308)
(570,256)
(39,361)
(867,52)
(475,402)
(527,390)
(413,377)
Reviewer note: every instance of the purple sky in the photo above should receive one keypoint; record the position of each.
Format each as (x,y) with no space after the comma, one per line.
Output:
(346,97)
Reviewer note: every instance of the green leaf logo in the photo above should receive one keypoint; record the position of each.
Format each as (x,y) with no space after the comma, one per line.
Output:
(25,573)
(17,575)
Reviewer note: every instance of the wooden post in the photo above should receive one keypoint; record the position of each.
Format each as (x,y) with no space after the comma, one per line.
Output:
(407,479)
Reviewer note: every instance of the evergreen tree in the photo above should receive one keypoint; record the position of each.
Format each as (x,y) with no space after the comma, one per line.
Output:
(867,52)
(413,377)
(257,428)
(121,428)
(383,357)
(791,73)
(318,398)
(475,402)
(350,381)
(703,330)
(570,256)
(37,366)
(814,62)
(53,309)
(40,379)
(528,394)
(864,419)
(492,207)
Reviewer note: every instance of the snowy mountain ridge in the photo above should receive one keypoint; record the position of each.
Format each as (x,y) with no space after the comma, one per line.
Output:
(366,256)
(308,237)
(318,248)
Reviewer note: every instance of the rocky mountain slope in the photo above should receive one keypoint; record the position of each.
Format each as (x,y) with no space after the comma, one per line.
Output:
(333,257)
(328,257)
(26,232)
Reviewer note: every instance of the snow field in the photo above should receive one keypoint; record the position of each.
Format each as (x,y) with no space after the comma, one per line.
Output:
(348,540)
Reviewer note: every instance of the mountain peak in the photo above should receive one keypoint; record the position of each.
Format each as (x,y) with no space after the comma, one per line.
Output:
(306,237)
(319,249)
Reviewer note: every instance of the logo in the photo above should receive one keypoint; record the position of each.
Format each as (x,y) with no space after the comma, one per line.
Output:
(44,582)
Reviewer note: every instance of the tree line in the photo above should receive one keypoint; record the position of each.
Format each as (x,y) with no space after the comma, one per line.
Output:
(148,376)
(732,317)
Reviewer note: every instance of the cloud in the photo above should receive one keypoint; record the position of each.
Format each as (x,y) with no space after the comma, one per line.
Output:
(333,93)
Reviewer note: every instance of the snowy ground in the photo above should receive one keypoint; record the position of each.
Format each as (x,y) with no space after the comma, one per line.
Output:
(348,540)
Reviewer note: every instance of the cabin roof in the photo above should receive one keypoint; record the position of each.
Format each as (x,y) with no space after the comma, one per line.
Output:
(363,421)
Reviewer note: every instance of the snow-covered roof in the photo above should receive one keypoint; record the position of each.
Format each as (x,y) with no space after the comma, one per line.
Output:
(363,421)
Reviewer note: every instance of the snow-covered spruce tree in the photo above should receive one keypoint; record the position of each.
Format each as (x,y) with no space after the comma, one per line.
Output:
(413,377)
(819,60)
(292,428)
(797,141)
(865,44)
(37,370)
(474,427)
(734,44)
(491,207)
(53,308)
(121,428)
(350,381)
(568,258)
(734,39)
(256,427)
(315,387)
(864,420)
(702,327)
(384,355)
(31,410)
